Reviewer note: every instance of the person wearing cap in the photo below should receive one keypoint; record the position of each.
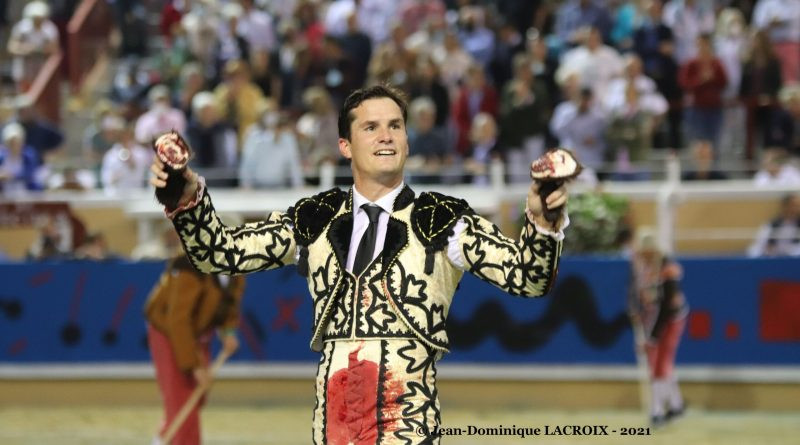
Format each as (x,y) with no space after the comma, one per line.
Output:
(32,40)
(658,307)
(213,141)
(19,163)
(160,118)
(382,265)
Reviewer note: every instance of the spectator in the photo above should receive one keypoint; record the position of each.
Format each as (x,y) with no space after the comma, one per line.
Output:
(476,96)
(629,133)
(508,43)
(426,142)
(54,241)
(781,235)
(704,80)
(627,17)
(524,113)
(702,168)
(781,20)
(270,155)
(776,170)
(43,136)
(101,134)
(95,248)
(176,55)
(201,23)
(191,82)
(238,98)
(171,15)
(19,164)
(160,118)
(453,62)
(426,82)
(476,39)
(335,70)
(126,164)
(730,41)
(393,61)
(33,39)
(213,141)
(129,89)
(761,81)
(688,19)
(784,129)
(131,20)
(317,129)
(633,75)
(375,17)
(415,13)
(543,63)
(230,45)
(574,16)
(267,74)
(255,26)
(483,136)
(654,43)
(580,124)
(310,27)
(336,16)
(358,48)
(595,63)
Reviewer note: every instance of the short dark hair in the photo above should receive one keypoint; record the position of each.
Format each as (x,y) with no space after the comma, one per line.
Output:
(358,96)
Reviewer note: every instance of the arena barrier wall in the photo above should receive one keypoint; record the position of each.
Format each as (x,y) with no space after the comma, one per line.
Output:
(745,313)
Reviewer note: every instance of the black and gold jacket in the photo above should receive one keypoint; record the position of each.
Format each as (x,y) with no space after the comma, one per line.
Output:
(413,280)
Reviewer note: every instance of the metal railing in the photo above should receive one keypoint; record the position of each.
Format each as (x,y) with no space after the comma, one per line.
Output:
(88,37)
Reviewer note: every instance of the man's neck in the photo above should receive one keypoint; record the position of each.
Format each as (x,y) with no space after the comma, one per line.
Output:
(374,190)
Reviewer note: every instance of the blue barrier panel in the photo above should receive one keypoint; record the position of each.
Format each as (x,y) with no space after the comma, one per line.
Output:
(742,313)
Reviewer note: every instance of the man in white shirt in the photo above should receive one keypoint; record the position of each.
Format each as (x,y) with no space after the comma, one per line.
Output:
(597,64)
(32,40)
(781,236)
(382,266)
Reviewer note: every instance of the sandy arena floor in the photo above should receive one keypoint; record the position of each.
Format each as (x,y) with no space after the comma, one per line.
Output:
(240,425)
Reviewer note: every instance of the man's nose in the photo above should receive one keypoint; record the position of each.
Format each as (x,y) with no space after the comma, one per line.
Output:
(384,135)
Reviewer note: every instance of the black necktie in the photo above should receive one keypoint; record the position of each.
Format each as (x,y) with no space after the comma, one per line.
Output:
(367,245)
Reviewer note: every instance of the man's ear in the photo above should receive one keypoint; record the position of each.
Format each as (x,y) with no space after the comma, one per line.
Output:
(344,148)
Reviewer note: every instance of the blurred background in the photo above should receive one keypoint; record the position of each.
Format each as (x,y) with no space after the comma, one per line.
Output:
(686,114)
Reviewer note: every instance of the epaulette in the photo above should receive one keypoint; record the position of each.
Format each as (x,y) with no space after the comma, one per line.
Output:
(433,219)
(310,216)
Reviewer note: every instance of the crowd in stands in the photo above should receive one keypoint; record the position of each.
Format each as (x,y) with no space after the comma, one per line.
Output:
(255,86)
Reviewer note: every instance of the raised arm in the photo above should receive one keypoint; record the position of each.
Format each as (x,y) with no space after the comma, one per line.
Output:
(524,267)
(214,247)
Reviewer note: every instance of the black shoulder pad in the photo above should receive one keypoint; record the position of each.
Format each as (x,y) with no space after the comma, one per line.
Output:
(310,215)
(434,216)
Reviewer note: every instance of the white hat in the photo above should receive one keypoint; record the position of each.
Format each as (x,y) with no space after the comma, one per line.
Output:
(158,92)
(13,131)
(36,9)
(232,10)
(112,123)
(201,100)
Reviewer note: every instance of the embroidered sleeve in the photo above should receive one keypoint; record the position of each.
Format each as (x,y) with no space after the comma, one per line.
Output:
(526,267)
(216,248)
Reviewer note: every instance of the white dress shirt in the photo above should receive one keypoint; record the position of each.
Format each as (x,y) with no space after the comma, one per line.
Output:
(386,202)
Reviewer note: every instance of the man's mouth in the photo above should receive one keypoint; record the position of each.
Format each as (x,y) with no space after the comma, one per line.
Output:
(385,152)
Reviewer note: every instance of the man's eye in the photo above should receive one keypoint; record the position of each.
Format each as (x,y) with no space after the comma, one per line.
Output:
(396,126)
(369,128)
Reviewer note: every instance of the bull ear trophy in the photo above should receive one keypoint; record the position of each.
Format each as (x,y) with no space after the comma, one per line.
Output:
(174,152)
(551,170)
